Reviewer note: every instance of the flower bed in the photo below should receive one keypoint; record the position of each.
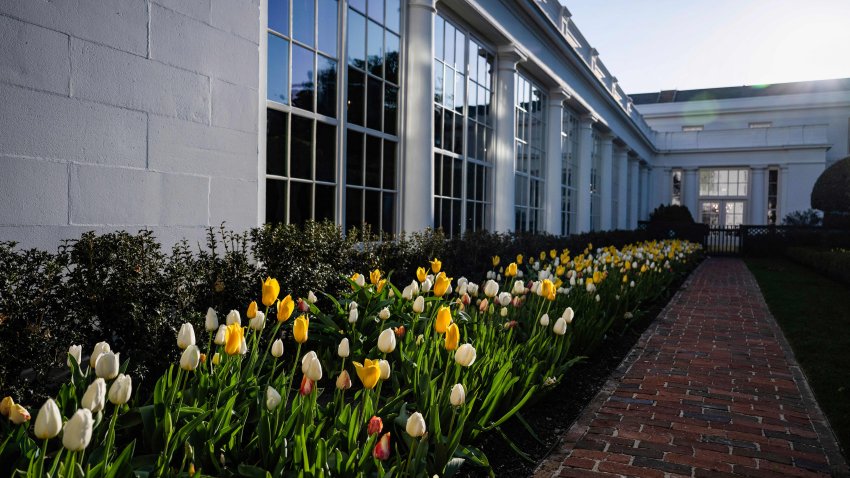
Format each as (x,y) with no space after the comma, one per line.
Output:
(392,380)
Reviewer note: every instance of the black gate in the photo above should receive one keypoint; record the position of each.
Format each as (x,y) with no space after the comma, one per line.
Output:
(723,240)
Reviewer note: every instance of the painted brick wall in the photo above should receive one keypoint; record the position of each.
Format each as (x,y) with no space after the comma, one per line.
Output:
(121,114)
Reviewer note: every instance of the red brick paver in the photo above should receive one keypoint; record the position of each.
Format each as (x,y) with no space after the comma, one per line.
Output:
(712,389)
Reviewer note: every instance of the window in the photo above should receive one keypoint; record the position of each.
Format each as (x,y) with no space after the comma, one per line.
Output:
(723,194)
(463,130)
(772,196)
(371,136)
(302,121)
(691,128)
(761,124)
(595,169)
(569,169)
(529,155)
(676,198)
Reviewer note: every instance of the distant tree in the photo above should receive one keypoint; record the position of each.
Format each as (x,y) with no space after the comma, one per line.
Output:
(831,194)
(809,217)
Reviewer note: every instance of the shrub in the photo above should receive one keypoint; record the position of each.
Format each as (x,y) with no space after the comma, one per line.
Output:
(831,194)
(809,217)
(671,214)
(833,263)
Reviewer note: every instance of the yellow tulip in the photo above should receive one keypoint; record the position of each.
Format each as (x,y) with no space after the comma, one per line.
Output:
(519,259)
(421,274)
(510,271)
(300,329)
(452,337)
(436,265)
(559,271)
(496,260)
(441,284)
(542,255)
(444,318)
(598,276)
(548,289)
(252,310)
(271,289)
(625,279)
(375,277)
(233,342)
(553,253)
(381,284)
(285,308)
(369,373)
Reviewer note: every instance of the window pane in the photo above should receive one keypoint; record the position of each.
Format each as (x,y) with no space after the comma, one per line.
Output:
(356,40)
(456,217)
(276,142)
(439,27)
(388,214)
(375,49)
(325,152)
(372,209)
(390,109)
(302,78)
(356,96)
(374,102)
(358,4)
(301,149)
(325,196)
(448,129)
(438,82)
(354,160)
(438,127)
(326,101)
(392,64)
(376,10)
(446,217)
(457,178)
(393,15)
(353,208)
(300,196)
(460,41)
(275,201)
(373,161)
(303,21)
(389,164)
(449,87)
(278,89)
(328,11)
(470,183)
(279,16)
(447,176)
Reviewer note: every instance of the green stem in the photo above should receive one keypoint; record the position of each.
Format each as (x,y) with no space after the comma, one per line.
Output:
(110,438)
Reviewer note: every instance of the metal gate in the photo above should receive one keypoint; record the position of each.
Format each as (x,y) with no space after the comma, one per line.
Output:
(723,240)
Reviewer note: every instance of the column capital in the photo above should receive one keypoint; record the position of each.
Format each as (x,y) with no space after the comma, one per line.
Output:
(430,5)
(509,55)
(588,120)
(607,138)
(759,167)
(690,169)
(559,94)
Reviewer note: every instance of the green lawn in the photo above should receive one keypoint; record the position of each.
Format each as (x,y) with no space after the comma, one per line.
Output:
(814,313)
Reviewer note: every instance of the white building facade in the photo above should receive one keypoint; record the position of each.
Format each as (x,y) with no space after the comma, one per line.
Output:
(403,114)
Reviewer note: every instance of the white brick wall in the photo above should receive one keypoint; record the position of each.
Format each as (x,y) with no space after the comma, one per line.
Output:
(127,114)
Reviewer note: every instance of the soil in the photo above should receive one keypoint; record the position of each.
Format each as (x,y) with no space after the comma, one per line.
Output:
(552,416)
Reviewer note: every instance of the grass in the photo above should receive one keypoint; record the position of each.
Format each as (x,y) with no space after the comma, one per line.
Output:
(814,313)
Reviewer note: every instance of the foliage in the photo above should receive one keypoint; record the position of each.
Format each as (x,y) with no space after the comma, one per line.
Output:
(808,217)
(831,192)
(671,213)
(833,263)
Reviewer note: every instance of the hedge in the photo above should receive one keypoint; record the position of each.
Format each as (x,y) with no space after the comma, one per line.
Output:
(833,263)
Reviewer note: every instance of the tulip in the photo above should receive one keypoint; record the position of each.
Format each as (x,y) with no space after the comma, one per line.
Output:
(510,271)
(99,348)
(505,298)
(252,310)
(426,285)
(342,349)
(306,386)
(243,346)
(452,337)
(519,288)
(382,448)
(353,315)
(369,372)
(376,425)
(48,423)
(233,317)
(272,398)
(375,277)
(496,260)
(271,289)
(233,339)
(544,320)
(399,331)
(465,299)
(285,307)
(597,298)
(216,358)
(568,315)
(419,305)
(444,318)
(458,396)
(277,348)
(503,312)
(95,397)
(221,335)
(407,293)
(384,314)
(415,425)
(6,406)
(75,351)
(311,297)
(547,290)
(421,274)
(436,265)
(465,355)
(258,322)
(386,341)
(385,369)
(77,431)
(301,328)
(18,414)
(107,365)
(211,321)
(302,305)
(203,358)
(441,284)
(343,381)
(358,279)
(519,259)
(482,306)
(560,327)
(119,392)
(190,358)
(491,288)
(311,366)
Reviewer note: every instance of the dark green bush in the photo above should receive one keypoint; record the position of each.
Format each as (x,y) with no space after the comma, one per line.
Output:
(809,217)
(831,194)
(671,214)
(833,263)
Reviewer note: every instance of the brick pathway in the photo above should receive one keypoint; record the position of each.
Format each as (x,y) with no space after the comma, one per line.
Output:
(710,390)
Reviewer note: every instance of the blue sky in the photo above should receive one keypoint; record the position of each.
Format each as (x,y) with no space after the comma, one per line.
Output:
(650,45)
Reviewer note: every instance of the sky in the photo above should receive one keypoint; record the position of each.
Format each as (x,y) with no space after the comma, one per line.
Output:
(653,45)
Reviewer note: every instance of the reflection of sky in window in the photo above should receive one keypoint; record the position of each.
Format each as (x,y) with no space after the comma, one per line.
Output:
(327,26)
(302,77)
(278,90)
(303,21)
(279,16)
(356,39)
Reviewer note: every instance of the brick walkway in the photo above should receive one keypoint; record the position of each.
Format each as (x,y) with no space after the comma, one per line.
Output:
(711,389)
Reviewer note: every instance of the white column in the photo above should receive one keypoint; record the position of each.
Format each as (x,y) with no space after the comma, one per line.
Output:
(634,193)
(690,191)
(504,194)
(783,194)
(606,183)
(585,149)
(644,193)
(621,169)
(418,129)
(660,191)
(554,160)
(758,196)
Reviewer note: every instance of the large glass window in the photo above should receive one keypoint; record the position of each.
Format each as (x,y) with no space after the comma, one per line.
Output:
(463,130)
(569,169)
(529,154)
(772,196)
(723,182)
(676,185)
(595,170)
(723,194)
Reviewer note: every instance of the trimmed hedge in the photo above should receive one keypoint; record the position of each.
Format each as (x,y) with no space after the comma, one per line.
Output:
(833,263)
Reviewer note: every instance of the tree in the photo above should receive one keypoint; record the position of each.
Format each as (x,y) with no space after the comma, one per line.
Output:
(831,194)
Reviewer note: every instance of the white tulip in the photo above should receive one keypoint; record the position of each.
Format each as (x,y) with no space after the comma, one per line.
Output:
(48,423)
(598,298)
(360,280)
(311,297)
(352,305)
(472,289)
(519,274)
(186,336)
(258,322)
(503,312)
(426,285)
(243,347)
(95,397)
(385,369)
(384,314)
(465,355)
(277,348)
(386,341)
(505,298)
(272,398)
(590,287)
(491,288)
(415,425)
(77,432)
(419,305)
(121,389)
(462,289)
(342,350)
(99,349)
(448,290)
(544,320)
(190,358)
(221,335)
(107,365)
(233,317)
(211,322)
(518,288)
(415,286)
(353,315)
(568,315)
(407,293)
(632,284)
(314,368)
(572,280)
(458,396)
(560,327)
(76,351)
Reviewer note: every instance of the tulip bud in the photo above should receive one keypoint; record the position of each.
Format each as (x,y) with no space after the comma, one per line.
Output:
(465,299)
(384,314)
(503,312)
(386,341)
(399,331)
(48,423)
(419,339)
(107,365)
(343,381)
(544,320)
(75,351)
(360,280)
(186,336)
(465,355)
(385,369)
(597,298)
(415,425)
(211,322)
(285,307)
(472,289)
(311,297)
(306,387)
(303,306)
(353,315)
(301,329)
(243,346)
(375,426)
(407,293)
(258,322)
(458,396)
(482,306)
(272,398)
(18,414)
(99,349)
(632,284)
(491,288)
(77,432)
(95,397)
(221,335)
(382,448)
(119,392)
(342,349)
(311,367)
(233,317)
(252,310)
(419,305)
(277,348)
(6,406)
(568,315)
(216,358)
(271,289)
(190,358)
(560,327)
